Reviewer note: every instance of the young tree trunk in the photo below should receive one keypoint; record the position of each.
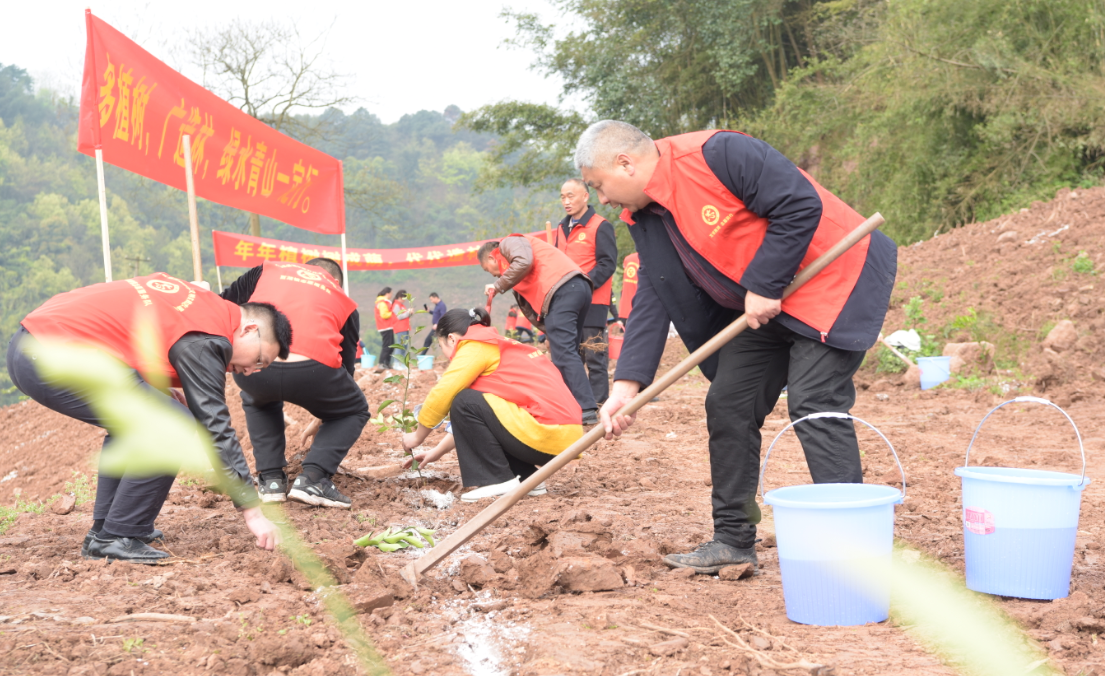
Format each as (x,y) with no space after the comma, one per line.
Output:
(255,225)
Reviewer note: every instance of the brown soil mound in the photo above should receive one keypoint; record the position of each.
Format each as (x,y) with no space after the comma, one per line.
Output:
(1021,274)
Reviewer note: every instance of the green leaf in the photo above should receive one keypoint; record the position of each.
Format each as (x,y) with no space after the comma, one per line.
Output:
(393,379)
(384,405)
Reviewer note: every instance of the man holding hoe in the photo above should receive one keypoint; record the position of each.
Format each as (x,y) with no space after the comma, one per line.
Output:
(589,241)
(317,375)
(201,338)
(722,223)
(549,289)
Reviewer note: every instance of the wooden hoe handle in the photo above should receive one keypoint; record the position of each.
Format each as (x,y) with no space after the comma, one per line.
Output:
(432,557)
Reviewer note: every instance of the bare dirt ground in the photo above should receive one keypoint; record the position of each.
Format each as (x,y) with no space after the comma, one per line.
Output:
(604,524)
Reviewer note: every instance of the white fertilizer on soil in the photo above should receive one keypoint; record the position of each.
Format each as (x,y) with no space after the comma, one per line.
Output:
(438,499)
(488,642)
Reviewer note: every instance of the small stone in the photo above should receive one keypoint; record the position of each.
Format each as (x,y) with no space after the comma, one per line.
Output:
(671,647)
(1007,236)
(581,574)
(882,397)
(83,620)
(682,573)
(368,597)
(1062,337)
(417,667)
(647,483)
(244,595)
(501,561)
(768,540)
(759,643)
(737,572)
(321,640)
(476,571)
(1090,624)
(64,505)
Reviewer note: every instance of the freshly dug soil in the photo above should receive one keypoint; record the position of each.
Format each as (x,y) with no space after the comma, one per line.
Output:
(572,582)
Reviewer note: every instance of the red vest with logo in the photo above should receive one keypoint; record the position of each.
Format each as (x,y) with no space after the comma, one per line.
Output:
(527,379)
(108,316)
(383,307)
(630,266)
(397,306)
(728,235)
(511,320)
(580,247)
(314,303)
(550,265)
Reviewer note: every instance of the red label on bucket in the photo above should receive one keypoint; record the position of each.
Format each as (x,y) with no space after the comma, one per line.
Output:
(979,521)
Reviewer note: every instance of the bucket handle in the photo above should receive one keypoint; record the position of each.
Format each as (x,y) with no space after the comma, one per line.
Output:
(831,414)
(1032,400)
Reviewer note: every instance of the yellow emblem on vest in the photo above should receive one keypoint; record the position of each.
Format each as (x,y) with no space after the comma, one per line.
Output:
(582,237)
(710,214)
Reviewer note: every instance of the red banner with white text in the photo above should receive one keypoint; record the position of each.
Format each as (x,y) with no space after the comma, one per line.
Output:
(244,251)
(137,109)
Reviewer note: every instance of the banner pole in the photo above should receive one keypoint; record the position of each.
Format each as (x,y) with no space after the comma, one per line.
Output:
(193,219)
(103,212)
(344,266)
(219,276)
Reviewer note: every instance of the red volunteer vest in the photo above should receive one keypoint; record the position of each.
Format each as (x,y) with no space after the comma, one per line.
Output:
(398,306)
(523,322)
(383,306)
(525,378)
(580,247)
(726,233)
(107,316)
(511,320)
(630,266)
(314,303)
(549,266)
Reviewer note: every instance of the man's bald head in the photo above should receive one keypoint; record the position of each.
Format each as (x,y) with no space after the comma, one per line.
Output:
(602,142)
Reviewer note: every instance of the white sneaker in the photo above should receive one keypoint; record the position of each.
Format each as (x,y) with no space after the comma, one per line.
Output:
(490,491)
(539,490)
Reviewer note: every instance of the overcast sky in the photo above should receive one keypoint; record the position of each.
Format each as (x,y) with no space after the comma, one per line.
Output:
(403,56)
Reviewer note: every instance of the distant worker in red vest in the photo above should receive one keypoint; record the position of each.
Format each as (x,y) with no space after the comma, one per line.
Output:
(202,337)
(517,322)
(722,222)
(550,290)
(316,375)
(402,312)
(589,241)
(385,324)
(509,407)
(630,266)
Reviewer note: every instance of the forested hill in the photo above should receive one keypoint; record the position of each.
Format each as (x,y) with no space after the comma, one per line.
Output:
(408,184)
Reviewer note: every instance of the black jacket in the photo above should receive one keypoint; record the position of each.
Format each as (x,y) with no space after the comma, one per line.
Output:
(772,187)
(242,288)
(606,262)
(200,361)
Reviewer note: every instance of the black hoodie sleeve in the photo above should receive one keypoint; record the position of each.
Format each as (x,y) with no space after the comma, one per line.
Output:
(350,334)
(242,288)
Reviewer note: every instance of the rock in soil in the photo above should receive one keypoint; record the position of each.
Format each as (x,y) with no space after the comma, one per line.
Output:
(738,572)
(670,647)
(476,571)
(581,574)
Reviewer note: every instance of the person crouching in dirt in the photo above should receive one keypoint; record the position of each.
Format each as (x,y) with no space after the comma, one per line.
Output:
(722,222)
(316,375)
(550,289)
(509,407)
(202,338)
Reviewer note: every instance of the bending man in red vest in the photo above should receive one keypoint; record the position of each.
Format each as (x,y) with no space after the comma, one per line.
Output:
(589,241)
(509,408)
(722,222)
(317,375)
(549,289)
(202,337)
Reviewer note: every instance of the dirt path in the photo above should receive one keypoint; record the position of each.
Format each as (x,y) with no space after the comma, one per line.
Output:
(618,509)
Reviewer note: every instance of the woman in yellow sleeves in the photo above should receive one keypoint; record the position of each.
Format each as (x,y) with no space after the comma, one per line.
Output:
(509,407)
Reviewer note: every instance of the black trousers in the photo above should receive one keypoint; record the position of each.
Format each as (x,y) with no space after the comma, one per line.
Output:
(488,454)
(387,339)
(564,328)
(752,370)
(329,394)
(128,504)
(596,362)
(524,335)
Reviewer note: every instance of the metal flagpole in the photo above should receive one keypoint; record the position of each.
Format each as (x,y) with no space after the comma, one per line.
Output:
(219,276)
(193,219)
(103,212)
(344,266)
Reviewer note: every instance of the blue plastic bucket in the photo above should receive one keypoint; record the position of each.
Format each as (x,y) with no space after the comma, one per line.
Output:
(368,360)
(425,362)
(835,543)
(1019,525)
(934,370)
